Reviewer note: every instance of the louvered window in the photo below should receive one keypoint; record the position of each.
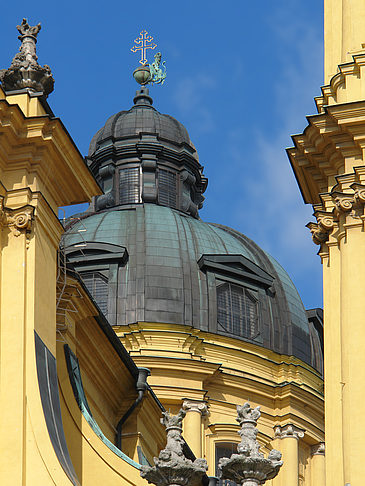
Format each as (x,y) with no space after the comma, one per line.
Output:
(224,449)
(129,185)
(97,285)
(167,188)
(237,311)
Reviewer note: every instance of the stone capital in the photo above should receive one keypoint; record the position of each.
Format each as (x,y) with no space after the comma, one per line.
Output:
(288,431)
(195,406)
(318,449)
(18,220)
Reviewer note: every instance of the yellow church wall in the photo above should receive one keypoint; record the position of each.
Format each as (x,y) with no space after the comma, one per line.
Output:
(190,364)
(344,26)
(109,389)
(328,160)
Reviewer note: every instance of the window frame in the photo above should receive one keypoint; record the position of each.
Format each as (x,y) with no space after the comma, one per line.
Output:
(103,258)
(237,270)
(177,192)
(122,169)
(246,293)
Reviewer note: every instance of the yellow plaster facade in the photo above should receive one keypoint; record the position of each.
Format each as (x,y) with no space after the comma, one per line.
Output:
(328,159)
(191,368)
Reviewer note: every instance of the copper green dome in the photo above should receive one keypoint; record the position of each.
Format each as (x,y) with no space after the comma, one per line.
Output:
(155,264)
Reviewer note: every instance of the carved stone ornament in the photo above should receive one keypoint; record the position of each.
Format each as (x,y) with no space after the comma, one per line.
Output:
(24,71)
(359,193)
(171,467)
(19,221)
(249,467)
(322,229)
(318,449)
(196,406)
(288,431)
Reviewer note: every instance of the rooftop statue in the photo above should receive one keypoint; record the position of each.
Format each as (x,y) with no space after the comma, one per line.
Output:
(158,75)
(24,71)
(249,467)
(171,467)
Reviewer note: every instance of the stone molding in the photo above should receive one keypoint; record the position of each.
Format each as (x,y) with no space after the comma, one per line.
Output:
(288,431)
(318,449)
(195,406)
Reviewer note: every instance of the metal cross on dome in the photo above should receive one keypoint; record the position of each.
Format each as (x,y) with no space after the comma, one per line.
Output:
(143,42)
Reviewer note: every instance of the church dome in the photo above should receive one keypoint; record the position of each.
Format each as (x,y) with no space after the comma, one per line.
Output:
(143,156)
(151,263)
(142,118)
(145,255)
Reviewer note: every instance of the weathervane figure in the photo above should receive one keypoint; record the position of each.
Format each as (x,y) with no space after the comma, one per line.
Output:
(154,73)
(143,42)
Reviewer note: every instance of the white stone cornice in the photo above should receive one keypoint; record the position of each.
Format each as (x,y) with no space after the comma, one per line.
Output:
(195,406)
(288,431)
(318,449)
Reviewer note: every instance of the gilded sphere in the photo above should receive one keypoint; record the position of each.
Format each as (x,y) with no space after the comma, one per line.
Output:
(142,74)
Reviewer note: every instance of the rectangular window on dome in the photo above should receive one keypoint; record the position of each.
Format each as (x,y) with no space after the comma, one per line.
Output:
(167,188)
(129,185)
(237,310)
(97,285)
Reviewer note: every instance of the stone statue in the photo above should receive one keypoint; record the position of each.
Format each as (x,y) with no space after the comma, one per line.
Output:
(24,71)
(249,467)
(171,467)
(157,75)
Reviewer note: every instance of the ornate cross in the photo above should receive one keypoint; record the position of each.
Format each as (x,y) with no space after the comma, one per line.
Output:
(143,42)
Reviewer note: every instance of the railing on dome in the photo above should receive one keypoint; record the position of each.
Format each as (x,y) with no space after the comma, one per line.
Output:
(66,291)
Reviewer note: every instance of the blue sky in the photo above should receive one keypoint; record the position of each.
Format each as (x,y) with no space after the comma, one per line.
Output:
(241,78)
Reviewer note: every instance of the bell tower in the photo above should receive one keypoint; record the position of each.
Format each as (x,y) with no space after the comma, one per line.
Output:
(329,162)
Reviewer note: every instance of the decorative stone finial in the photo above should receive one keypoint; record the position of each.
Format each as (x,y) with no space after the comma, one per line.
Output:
(24,71)
(249,467)
(171,467)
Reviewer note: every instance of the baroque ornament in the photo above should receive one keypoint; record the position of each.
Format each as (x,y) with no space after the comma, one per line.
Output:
(154,73)
(249,467)
(171,467)
(24,71)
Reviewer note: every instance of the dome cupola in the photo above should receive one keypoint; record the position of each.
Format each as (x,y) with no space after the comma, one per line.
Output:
(143,156)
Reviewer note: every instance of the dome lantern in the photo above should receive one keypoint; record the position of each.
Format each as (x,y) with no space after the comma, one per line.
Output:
(144,156)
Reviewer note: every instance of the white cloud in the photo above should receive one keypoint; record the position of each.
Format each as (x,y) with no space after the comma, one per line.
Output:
(191,100)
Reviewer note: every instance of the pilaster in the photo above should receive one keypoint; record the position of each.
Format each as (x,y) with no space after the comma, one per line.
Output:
(318,464)
(287,439)
(195,410)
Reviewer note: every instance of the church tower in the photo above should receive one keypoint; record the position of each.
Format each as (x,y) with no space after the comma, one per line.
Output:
(328,160)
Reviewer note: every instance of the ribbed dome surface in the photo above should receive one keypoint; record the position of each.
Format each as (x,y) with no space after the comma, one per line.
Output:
(162,280)
(141,118)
